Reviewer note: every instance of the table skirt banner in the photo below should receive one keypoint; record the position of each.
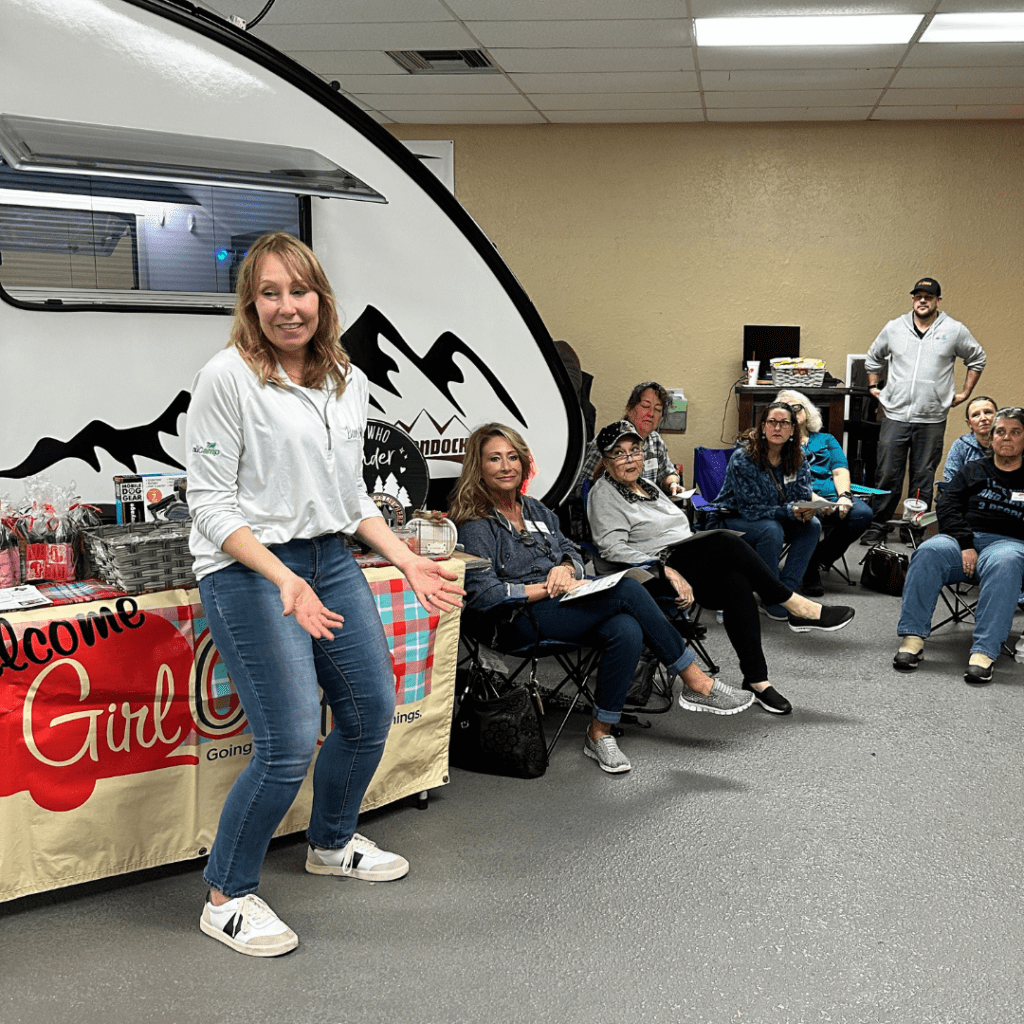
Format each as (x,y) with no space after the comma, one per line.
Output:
(122,734)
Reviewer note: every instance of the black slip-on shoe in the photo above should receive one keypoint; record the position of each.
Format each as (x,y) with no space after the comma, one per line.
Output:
(907,661)
(874,535)
(978,675)
(770,699)
(833,617)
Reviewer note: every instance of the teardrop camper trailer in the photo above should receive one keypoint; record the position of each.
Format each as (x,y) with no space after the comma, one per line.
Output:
(144,145)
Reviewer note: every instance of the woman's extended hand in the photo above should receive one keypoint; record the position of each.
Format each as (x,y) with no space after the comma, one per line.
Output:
(299,599)
(560,580)
(684,592)
(433,585)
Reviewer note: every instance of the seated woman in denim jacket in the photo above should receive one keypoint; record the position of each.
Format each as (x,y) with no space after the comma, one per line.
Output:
(766,476)
(830,478)
(533,563)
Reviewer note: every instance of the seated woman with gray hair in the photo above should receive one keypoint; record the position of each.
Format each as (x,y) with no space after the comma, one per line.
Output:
(830,479)
(633,523)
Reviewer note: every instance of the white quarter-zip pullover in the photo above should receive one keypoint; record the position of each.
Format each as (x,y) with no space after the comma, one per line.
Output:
(285,461)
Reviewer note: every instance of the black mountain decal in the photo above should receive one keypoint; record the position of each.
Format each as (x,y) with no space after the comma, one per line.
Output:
(362,342)
(123,444)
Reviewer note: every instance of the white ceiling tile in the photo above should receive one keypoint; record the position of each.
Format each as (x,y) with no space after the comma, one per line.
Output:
(757,8)
(379,117)
(608,81)
(665,58)
(465,117)
(564,10)
(968,55)
(581,34)
(807,78)
(623,116)
(616,101)
(790,114)
(957,97)
(817,98)
(326,12)
(931,78)
(347,62)
(966,112)
(730,58)
(427,85)
(387,101)
(421,35)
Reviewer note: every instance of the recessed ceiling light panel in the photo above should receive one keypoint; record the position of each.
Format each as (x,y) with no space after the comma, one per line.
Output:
(1005,27)
(809,30)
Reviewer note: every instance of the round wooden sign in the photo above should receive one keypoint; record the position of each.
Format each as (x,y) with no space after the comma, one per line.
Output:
(394,471)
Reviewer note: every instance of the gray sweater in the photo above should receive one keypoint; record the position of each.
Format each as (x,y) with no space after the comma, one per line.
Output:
(631,531)
(919,384)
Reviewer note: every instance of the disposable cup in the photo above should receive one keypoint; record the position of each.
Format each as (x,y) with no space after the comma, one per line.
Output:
(753,366)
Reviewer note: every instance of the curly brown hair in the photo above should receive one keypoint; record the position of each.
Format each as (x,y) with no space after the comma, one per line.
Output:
(757,445)
(326,358)
(470,499)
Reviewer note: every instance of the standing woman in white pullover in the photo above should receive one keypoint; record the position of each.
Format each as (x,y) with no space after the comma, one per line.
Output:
(275,442)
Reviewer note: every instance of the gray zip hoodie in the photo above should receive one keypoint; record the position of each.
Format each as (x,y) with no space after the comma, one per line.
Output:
(920,385)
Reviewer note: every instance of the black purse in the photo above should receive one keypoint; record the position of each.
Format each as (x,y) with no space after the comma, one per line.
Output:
(884,570)
(497,730)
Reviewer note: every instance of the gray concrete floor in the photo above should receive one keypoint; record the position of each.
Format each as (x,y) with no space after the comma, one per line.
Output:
(857,862)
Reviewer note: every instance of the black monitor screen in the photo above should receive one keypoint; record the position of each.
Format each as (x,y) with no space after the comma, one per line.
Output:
(770,341)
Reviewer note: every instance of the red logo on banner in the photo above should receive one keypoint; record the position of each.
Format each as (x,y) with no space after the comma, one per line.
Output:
(95,695)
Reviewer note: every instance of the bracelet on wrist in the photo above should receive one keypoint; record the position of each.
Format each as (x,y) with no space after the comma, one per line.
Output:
(847,494)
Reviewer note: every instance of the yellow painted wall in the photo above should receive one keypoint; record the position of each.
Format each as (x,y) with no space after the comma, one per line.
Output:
(648,247)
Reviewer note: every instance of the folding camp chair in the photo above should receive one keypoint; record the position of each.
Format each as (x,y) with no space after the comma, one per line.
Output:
(479,635)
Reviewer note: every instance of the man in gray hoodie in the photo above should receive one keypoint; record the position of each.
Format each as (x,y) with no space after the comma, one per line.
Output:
(921,348)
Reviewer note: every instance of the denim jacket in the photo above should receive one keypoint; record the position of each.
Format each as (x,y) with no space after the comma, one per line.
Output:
(750,493)
(514,561)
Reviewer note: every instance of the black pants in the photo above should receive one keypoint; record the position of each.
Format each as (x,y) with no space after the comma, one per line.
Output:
(725,573)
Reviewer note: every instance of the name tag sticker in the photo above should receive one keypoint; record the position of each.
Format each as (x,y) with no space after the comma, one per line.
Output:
(539,527)
(1017,496)
(790,478)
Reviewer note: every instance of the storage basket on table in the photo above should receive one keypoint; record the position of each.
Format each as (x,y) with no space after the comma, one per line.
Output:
(142,556)
(798,376)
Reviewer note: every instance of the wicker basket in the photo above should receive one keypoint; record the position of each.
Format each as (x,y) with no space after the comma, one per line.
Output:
(142,556)
(797,378)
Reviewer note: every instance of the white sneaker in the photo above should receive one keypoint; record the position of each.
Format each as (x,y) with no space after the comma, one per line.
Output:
(249,926)
(358,858)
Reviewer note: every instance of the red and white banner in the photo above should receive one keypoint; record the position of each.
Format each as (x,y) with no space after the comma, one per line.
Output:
(122,733)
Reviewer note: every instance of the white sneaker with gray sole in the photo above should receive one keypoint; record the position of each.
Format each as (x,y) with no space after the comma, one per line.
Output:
(722,700)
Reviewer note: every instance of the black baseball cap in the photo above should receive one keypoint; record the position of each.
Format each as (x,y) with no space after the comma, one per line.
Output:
(608,437)
(929,285)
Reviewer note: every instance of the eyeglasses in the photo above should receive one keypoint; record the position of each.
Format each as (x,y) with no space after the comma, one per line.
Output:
(778,424)
(636,453)
(530,541)
(795,406)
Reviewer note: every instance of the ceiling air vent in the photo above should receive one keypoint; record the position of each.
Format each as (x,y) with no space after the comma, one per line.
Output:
(443,62)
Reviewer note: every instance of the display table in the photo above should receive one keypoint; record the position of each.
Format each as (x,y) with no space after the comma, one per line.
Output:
(122,733)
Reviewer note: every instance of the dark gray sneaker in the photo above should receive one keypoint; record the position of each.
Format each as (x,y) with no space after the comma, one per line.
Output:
(722,700)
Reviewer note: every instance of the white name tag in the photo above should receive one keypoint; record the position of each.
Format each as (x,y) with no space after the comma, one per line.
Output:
(1017,496)
(790,479)
(539,527)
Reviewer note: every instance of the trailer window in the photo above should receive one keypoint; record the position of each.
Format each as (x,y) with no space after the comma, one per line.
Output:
(102,216)
(75,240)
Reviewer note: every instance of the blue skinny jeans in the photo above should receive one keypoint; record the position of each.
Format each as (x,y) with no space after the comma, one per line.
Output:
(276,668)
(618,621)
(939,561)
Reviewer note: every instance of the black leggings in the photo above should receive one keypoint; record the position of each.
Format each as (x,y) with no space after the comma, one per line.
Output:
(725,572)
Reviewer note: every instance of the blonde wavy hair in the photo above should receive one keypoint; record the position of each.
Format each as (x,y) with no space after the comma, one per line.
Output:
(470,499)
(326,358)
(813,424)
